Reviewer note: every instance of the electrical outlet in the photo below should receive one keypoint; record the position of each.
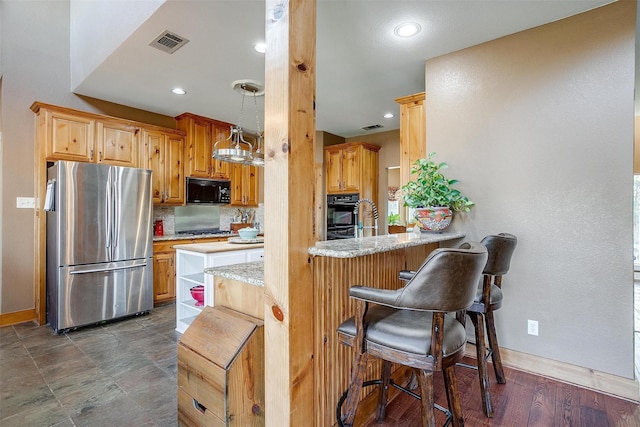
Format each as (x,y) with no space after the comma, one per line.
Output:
(532,327)
(25,202)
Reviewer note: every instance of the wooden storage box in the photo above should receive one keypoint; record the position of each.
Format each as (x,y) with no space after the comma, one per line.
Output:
(221,370)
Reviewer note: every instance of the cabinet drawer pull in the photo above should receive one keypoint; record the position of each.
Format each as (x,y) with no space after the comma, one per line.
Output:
(199,406)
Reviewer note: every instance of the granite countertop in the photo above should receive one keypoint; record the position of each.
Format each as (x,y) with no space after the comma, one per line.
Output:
(351,248)
(212,247)
(191,236)
(248,272)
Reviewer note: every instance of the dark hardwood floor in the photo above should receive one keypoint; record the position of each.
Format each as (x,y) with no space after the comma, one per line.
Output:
(525,400)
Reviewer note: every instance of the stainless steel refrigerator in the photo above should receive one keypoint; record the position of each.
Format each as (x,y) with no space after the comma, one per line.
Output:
(99,243)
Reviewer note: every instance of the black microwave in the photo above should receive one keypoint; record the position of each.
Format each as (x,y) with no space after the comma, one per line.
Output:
(208,191)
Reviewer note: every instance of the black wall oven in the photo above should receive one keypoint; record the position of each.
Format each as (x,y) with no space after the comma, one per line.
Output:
(341,221)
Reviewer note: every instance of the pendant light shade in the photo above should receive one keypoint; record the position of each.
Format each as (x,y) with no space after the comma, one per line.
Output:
(235,148)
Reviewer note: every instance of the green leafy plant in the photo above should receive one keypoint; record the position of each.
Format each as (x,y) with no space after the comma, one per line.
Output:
(431,188)
(393,219)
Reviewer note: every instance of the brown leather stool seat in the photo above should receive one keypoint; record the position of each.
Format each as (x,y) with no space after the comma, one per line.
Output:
(409,326)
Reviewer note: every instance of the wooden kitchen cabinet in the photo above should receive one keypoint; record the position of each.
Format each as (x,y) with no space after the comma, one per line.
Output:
(201,135)
(164,155)
(221,370)
(244,185)
(164,277)
(413,133)
(67,136)
(117,143)
(85,137)
(352,168)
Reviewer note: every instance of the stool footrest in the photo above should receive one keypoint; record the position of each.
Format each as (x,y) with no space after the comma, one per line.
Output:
(397,386)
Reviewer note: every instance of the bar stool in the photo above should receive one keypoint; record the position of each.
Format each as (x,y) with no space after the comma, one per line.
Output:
(410,326)
(488,298)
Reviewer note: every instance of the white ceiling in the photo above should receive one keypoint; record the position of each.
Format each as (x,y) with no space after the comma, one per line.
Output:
(361,66)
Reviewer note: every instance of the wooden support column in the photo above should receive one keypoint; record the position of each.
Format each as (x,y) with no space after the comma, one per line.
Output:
(289,221)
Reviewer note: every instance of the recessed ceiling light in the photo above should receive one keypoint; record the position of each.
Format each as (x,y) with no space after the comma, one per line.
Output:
(178,91)
(260,47)
(389,116)
(407,29)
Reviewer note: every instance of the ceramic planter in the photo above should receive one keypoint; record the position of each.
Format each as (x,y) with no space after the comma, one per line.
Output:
(435,218)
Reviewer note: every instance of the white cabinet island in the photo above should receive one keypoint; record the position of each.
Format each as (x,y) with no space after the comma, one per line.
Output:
(191,262)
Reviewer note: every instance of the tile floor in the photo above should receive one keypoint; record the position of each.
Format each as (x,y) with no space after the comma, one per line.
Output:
(117,374)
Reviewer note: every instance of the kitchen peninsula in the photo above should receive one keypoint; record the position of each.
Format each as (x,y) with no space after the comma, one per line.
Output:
(337,265)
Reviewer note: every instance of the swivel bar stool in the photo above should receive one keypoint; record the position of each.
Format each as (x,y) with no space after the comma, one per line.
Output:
(410,326)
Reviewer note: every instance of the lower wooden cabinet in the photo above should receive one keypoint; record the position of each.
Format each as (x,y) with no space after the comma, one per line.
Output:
(164,277)
(221,370)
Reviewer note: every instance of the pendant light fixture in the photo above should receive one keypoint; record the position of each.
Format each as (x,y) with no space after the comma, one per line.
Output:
(234,148)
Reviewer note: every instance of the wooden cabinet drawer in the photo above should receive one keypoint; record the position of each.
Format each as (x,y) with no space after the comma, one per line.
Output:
(202,380)
(191,412)
(221,366)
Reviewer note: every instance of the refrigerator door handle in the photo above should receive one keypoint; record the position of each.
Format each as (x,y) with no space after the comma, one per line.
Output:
(116,215)
(108,216)
(98,270)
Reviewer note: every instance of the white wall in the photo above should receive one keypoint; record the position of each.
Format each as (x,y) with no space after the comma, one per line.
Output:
(538,126)
(98,27)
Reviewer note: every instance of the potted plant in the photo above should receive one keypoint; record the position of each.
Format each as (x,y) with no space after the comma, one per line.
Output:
(394,224)
(432,195)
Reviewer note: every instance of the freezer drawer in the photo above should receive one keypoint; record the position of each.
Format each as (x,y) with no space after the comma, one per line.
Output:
(92,293)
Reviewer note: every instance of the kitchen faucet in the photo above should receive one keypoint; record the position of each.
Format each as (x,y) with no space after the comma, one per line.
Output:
(375,217)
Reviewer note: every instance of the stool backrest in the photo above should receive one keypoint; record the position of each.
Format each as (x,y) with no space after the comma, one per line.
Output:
(446,281)
(500,248)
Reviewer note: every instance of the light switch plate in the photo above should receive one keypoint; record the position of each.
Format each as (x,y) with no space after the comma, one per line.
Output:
(25,202)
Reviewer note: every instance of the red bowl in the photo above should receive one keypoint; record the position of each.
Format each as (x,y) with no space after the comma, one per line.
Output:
(197,292)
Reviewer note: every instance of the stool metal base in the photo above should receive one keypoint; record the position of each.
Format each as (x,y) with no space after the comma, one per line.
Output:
(397,386)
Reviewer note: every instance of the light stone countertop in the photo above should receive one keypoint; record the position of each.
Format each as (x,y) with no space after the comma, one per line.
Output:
(212,247)
(351,248)
(248,272)
(253,272)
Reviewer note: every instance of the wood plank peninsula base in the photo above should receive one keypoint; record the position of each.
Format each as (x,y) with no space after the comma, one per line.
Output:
(337,265)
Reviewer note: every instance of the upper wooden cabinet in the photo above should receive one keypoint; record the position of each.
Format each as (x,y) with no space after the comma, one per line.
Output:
(201,134)
(117,143)
(351,168)
(413,133)
(244,180)
(163,153)
(244,185)
(84,137)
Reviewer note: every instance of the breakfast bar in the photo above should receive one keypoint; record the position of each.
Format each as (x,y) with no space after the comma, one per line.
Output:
(337,265)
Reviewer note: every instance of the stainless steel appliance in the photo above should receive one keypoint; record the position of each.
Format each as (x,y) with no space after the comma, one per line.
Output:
(341,219)
(99,243)
(208,191)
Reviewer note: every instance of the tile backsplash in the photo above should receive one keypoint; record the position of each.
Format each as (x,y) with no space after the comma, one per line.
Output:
(167,215)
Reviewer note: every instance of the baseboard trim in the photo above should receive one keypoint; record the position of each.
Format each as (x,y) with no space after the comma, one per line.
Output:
(602,382)
(7,319)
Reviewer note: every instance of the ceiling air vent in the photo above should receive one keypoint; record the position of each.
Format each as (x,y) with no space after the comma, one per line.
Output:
(372,127)
(168,42)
